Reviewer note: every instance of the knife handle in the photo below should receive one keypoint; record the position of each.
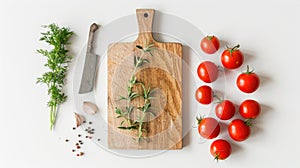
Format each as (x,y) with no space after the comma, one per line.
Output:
(93,28)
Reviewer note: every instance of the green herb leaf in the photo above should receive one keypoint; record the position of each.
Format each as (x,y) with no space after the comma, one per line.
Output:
(118,111)
(129,109)
(122,98)
(122,122)
(132,80)
(152,113)
(146,61)
(127,128)
(147,105)
(139,47)
(133,95)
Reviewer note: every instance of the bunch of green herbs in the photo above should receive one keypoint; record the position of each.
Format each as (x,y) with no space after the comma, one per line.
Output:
(136,124)
(57,63)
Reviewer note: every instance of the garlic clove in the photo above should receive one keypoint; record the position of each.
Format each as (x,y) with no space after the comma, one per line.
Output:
(90,108)
(78,119)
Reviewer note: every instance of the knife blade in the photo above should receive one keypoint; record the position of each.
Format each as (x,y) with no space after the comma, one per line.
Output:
(90,64)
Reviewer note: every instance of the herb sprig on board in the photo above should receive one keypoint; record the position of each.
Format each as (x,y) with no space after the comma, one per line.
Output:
(127,123)
(57,63)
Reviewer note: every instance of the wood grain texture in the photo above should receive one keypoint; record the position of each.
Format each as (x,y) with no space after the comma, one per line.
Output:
(163,74)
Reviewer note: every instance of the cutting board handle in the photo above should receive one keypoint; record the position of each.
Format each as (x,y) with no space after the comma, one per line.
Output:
(145,20)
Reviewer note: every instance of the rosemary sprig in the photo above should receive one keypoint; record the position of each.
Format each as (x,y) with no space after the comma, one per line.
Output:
(57,63)
(131,95)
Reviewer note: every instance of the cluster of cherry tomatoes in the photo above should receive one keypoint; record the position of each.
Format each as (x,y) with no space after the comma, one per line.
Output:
(247,82)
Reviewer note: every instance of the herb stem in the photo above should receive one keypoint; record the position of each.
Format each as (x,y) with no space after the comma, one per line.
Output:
(136,66)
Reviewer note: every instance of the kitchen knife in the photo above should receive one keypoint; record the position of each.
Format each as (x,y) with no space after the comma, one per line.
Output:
(90,64)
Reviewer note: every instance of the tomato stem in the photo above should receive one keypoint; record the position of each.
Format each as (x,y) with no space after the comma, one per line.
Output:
(248,70)
(220,68)
(217,157)
(248,122)
(236,47)
(217,97)
(199,119)
(231,50)
(210,37)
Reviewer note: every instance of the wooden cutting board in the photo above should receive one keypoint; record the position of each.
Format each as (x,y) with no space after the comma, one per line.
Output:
(163,74)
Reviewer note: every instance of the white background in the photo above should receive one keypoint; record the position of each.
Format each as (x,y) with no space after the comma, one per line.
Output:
(269,35)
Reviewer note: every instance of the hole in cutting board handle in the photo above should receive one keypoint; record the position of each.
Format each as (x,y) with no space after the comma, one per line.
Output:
(146,15)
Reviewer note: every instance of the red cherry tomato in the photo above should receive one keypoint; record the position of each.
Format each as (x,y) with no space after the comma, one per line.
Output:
(204,94)
(220,149)
(225,110)
(239,130)
(248,82)
(208,128)
(232,58)
(249,109)
(210,44)
(208,71)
